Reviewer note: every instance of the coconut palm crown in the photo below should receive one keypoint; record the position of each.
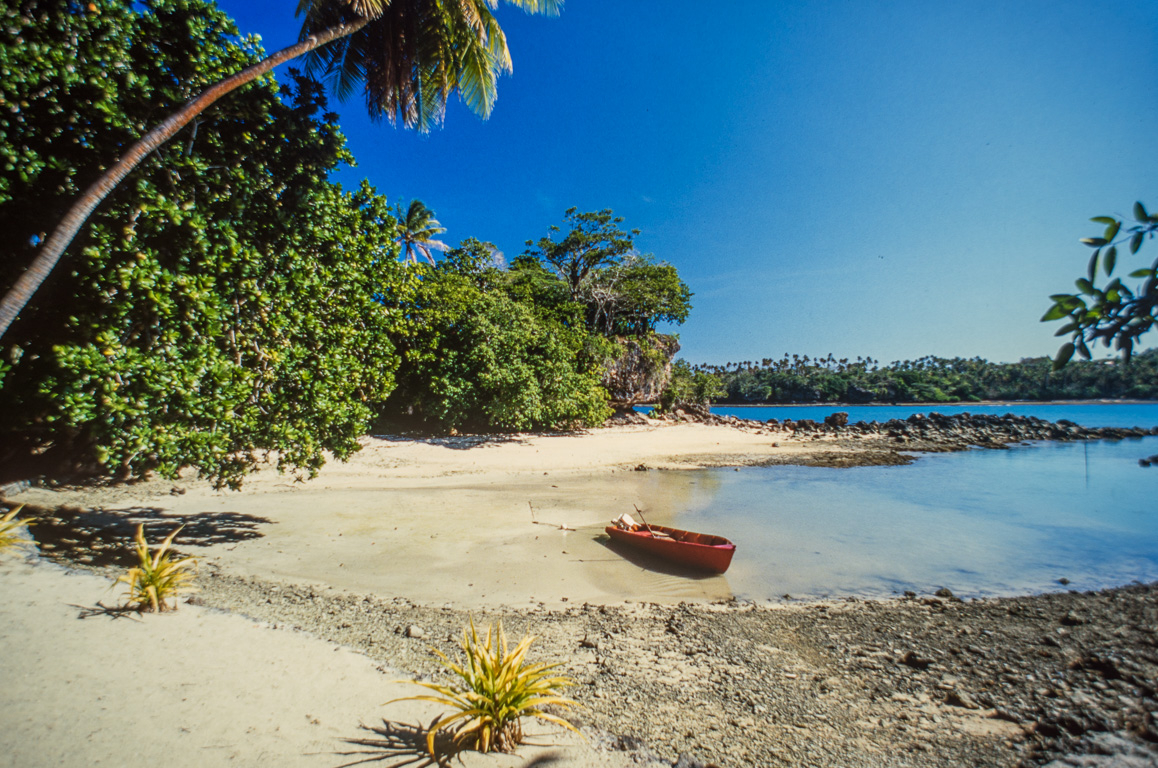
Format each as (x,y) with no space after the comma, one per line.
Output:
(416,230)
(412,54)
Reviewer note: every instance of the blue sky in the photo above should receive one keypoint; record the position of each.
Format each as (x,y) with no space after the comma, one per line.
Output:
(889,179)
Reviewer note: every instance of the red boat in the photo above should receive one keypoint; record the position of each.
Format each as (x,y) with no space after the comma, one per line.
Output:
(701,551)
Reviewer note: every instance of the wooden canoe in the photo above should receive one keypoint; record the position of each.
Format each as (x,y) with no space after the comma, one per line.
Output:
(701,551)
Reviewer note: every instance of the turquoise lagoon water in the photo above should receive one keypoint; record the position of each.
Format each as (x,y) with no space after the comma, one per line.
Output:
(981,522)
(1086,414)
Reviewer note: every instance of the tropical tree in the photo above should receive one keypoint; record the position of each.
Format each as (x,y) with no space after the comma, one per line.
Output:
(623,293)
(595,240)
(409,56)
(416,230)
(220,310)
(1113,314)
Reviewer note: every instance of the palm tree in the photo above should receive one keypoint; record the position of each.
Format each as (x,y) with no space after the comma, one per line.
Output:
(415,232)
(409,56)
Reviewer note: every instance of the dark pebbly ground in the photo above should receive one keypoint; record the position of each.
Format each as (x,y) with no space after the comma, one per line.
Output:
(1062,679)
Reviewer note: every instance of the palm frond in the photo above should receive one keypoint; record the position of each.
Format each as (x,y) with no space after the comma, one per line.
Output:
(414,53)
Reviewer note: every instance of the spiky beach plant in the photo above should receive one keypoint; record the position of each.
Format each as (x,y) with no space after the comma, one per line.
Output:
(496,689)
(10,528)
(157,578)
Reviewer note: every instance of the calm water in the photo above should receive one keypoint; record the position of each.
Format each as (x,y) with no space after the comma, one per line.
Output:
(983,522)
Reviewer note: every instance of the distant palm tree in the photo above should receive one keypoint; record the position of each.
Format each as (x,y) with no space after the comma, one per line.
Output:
(415,232)
(409,55)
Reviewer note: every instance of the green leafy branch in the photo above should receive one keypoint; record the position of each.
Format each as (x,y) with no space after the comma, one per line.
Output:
(1111,313)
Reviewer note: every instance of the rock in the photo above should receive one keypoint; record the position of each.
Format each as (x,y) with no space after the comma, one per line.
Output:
(839,419)
(956,698)
(915,660)
(943,591)
(1063,581)
(640,369)
(1071,619)
(627,744)
(415,631)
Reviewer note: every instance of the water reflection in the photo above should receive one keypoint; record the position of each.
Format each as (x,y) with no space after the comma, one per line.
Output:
(980,523)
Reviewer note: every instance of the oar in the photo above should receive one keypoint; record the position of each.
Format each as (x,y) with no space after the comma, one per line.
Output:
(645,525)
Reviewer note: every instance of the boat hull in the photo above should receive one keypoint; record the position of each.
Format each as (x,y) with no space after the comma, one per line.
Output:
(699,551)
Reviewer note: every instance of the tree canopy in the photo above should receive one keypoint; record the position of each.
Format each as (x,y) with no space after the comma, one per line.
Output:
(623,292)
(477,356)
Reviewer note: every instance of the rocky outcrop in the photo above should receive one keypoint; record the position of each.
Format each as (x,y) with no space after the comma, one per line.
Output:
(641,369)
(938,431)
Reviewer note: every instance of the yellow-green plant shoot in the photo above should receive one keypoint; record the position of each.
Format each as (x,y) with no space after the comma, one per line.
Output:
(10,528)
(157,578)
(495,690)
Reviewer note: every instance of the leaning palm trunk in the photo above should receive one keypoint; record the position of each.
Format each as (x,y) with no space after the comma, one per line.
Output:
(56,243)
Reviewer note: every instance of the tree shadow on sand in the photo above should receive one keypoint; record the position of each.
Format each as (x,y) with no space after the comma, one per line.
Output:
(400,745)
(105,537)
(454,442)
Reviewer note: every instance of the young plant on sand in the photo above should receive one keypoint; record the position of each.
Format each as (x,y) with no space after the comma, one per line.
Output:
(10,529)
(158,578)
(496,690)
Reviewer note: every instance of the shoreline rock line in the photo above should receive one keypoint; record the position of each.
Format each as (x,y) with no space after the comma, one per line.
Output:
(893,440)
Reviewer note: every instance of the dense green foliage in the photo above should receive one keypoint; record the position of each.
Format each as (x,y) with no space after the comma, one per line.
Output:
(477,354)
(688,386)
(222,303)
(1113,313)
(932,380)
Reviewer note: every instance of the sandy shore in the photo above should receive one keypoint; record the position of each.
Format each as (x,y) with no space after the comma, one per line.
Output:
(426,533)
(481,515)
(199,687)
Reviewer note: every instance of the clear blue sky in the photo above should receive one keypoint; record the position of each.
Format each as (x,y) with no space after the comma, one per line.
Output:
(890,179)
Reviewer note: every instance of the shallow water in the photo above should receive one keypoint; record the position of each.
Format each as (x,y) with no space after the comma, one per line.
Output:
(983,522)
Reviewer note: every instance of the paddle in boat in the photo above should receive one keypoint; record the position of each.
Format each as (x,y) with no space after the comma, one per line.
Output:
(701,551)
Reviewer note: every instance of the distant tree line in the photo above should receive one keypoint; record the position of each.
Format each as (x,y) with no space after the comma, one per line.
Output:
(796,379)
